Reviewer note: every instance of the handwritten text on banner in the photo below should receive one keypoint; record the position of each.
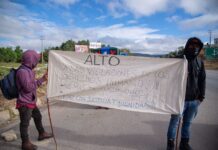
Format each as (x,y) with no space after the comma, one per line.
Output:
(155,85)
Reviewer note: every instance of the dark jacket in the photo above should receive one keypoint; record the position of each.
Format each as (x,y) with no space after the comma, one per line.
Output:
(25,79)
(196,81)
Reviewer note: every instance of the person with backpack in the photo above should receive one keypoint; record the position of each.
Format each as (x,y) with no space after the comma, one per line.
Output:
(26,101)
(195,94)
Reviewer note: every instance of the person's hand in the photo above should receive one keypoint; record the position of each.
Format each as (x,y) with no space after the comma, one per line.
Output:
(199,102)
(34,71)
(45,76)
(201,98)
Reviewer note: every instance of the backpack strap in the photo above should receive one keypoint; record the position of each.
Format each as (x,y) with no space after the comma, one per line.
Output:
(19,68)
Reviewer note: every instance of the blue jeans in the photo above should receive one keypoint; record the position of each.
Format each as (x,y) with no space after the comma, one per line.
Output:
(189,113)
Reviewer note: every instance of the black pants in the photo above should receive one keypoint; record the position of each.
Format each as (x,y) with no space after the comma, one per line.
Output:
(25,116)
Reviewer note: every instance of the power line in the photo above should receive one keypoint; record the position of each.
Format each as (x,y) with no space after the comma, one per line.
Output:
(42,48)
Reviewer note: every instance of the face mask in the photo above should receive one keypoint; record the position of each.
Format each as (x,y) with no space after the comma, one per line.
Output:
(191,53)
(197,50)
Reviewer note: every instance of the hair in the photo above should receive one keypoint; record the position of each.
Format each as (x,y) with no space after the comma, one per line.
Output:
(191,39)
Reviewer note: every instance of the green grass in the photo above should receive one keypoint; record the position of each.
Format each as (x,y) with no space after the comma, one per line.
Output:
(5,68)
(3,71)
(15,65)
(12,65)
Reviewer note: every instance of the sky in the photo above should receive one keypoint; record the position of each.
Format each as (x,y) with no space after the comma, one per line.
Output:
(143,26)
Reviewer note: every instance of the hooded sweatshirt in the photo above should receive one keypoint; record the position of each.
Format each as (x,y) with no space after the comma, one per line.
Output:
(195,88)
(25,80)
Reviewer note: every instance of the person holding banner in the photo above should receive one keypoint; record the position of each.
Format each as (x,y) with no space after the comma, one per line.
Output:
(26,101)
(195,93)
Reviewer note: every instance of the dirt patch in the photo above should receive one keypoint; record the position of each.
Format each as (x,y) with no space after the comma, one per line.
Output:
(211,65)
(11,104)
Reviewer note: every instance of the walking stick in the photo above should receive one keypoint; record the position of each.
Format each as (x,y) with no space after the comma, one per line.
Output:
(52,130)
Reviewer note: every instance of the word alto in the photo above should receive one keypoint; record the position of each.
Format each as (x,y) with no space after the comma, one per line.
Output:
(102,60)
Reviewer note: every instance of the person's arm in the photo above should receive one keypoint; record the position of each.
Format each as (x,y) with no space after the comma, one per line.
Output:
(202,82)
(42,79)
(25,80)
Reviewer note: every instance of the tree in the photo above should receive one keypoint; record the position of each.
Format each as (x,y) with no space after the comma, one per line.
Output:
(11,55)
(19,53)
(175,54)
(7,55)
(2,53)
(126,50)
(83,42)
(45,55)
(68,46)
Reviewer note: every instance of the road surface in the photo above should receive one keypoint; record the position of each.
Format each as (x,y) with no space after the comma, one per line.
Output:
(82,127)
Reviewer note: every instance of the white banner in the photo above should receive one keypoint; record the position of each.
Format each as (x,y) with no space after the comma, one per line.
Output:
(154,85)
(94,45)
(81,48)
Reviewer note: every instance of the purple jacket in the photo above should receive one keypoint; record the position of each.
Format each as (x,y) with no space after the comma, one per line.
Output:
(25,79)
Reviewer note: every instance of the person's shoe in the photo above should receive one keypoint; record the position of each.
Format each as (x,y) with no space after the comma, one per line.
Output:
(44,135)
(99,107)
(27,145)
(170,144)
(184,144)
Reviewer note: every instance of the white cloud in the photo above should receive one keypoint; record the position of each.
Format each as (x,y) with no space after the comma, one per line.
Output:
(132,22)
(146,8)
(116,9)
(11,8)
(204,14)
(162,45)
(101,18)
(203,33)
(26,30)
(121,31)
(65,3)
(138,39)
(196,7)
(193,7)
(139,8)
(201,21)
(173,18)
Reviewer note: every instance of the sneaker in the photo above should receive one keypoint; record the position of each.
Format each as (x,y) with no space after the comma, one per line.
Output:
(170,145)
(44,135)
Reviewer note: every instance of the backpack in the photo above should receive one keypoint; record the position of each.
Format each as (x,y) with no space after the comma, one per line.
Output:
(8,85)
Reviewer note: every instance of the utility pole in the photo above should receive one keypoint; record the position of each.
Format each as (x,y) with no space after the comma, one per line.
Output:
(210,33)
(42,48)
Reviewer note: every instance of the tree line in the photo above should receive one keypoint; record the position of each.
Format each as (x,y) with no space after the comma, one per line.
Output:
(175,54)
(69,45)
(8,54)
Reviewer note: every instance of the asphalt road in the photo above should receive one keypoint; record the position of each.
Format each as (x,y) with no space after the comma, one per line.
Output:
(82,127)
